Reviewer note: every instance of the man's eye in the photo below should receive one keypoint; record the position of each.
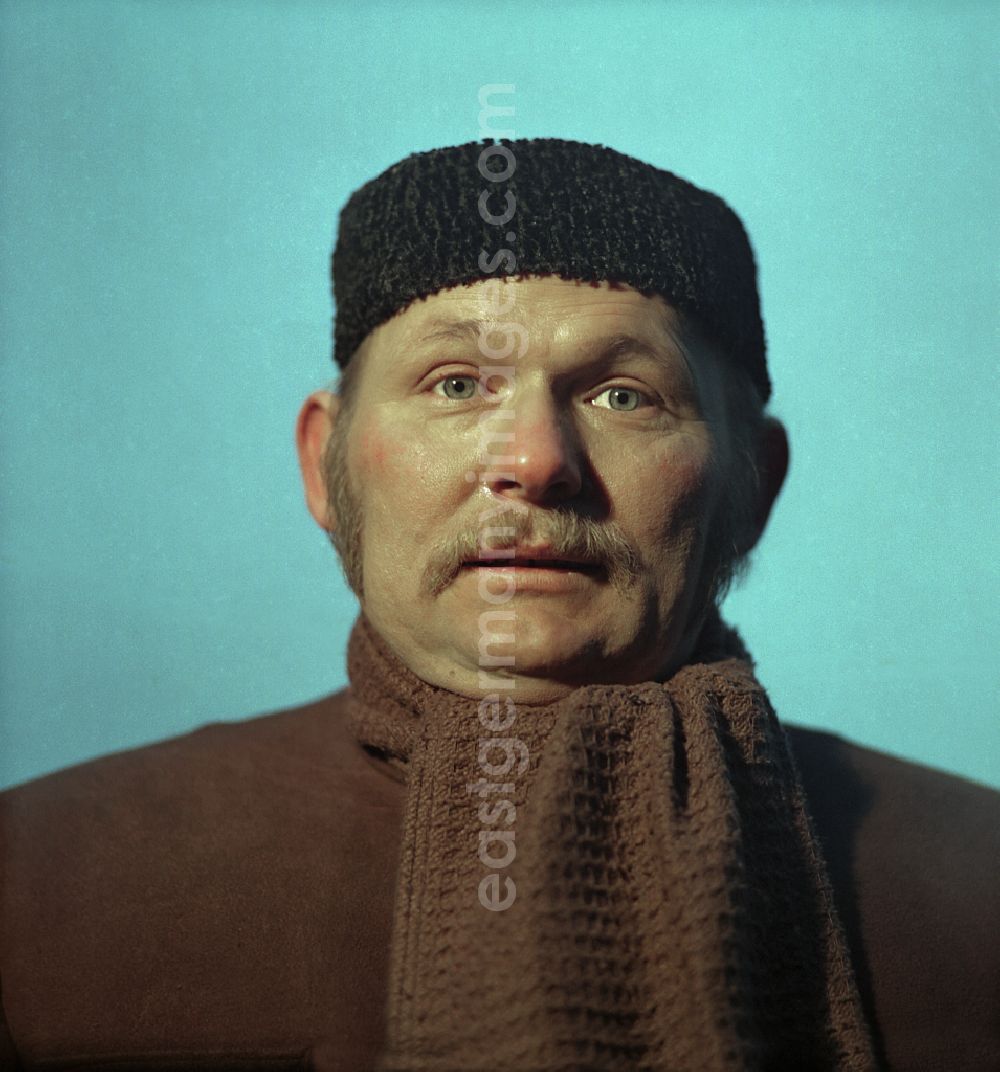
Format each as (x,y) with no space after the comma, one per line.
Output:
(622,399)
(457,387)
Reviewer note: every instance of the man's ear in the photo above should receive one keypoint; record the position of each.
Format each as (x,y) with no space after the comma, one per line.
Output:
(772,465)
(312,431)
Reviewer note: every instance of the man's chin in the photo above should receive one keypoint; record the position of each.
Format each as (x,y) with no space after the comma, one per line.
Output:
(533,641)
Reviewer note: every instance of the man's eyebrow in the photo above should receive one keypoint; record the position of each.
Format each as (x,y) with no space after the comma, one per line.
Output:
(452,331)
(622,344)
(671,351)
(670,348)
(619,344)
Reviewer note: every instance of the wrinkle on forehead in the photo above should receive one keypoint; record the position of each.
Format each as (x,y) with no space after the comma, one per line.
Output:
(467,308)
(563,309)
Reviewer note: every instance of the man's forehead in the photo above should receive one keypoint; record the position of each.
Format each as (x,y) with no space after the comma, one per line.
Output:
(553,310)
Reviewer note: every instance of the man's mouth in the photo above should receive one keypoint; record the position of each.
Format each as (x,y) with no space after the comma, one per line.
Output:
(534,563)
(533,560)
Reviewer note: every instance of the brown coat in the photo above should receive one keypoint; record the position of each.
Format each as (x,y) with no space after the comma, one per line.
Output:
(223,900)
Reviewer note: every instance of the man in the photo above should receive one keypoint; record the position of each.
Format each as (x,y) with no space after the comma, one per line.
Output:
(553,823)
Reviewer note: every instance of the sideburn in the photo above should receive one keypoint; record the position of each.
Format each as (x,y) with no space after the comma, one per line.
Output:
(346,521)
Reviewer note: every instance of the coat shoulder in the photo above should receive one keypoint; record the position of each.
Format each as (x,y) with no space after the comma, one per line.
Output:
(914,860)
(223,746)
(937,825)
(208,882)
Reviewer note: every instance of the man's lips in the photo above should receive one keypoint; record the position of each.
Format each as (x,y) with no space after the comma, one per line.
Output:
(528,559)
(532,563)
(537,570)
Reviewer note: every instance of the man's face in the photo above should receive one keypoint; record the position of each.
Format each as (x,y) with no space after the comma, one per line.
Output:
(537,497)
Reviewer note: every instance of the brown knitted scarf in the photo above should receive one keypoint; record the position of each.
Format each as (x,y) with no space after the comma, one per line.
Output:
(671,908)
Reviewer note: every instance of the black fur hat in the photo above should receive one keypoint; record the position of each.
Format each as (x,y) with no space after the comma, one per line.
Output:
(545,206)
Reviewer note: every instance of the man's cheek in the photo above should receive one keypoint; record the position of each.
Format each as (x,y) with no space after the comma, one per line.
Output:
(373,451)
(683,480)
(401,467)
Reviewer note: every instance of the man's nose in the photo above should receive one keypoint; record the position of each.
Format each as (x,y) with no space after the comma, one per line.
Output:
(544,452)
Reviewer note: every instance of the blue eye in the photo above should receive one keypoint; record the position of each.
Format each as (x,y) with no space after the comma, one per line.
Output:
(457,387)
(621,399)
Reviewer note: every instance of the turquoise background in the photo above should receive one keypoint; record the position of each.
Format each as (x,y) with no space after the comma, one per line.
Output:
(172,178)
